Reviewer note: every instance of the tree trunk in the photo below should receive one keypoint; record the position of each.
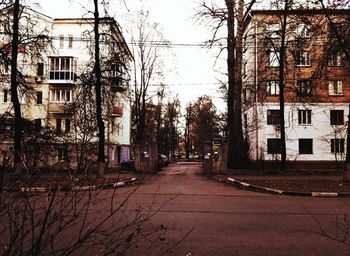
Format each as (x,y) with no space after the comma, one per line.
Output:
(237,154)
(17,140)
(100,123)
(282,53)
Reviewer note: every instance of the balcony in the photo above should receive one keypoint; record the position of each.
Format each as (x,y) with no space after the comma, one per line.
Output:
(118,85)
(62,70)
(58,108)
(117,111)
(61,77)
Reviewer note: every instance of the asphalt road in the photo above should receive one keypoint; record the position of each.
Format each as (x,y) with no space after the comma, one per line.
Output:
(204,217)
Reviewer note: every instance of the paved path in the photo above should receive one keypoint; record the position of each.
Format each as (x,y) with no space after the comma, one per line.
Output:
(221,220)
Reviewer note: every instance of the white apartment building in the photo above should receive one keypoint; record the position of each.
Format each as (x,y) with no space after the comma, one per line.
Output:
(56,67)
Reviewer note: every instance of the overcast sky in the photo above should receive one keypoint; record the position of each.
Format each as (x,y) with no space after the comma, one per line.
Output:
(192,73)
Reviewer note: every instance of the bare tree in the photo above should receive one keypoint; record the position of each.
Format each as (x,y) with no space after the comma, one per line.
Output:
(17,139)
(233,15)
(148,67)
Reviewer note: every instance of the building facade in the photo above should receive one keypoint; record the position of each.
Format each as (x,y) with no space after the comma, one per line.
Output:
(56,86)
(316,85)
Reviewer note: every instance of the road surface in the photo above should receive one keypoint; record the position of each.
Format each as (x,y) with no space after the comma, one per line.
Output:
(216,219)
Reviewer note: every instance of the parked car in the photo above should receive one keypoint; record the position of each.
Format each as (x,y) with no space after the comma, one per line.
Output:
(128,165)
(162,161)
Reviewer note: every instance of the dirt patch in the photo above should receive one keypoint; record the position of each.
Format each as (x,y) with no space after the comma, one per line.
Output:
(307,185)
(62,181)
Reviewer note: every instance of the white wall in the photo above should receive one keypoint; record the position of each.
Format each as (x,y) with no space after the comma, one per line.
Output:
(320,130)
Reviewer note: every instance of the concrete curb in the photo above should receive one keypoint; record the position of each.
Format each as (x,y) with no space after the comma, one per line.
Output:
(281,192)
(130,182)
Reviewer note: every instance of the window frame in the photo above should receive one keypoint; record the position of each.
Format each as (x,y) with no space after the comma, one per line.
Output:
(39,97)
(6,95)
(336,119)
(335,88)
(40,69)
(271,117)
(62,153)
(61,41)
(273,30)
(337,146)
(304,88)
(302,33)
(67,125)
(62,68)
(306,143)
(70,41)
(335,59)
(304,116)
(274,146)
(58,126)
(302,59)
(273,84)
(273,59)
(61,96)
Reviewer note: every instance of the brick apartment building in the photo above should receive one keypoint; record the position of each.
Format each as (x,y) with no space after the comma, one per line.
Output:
(317,86)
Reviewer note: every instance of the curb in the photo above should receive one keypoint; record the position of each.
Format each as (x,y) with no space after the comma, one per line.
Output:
(130,182)
(235,182)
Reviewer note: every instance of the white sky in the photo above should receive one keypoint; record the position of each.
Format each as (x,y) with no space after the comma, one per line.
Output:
(192,73)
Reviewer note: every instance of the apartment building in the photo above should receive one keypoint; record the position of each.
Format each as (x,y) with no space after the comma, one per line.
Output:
(316,80)
(56,89)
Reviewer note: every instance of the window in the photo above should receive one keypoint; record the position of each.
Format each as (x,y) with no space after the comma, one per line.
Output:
(305,146)
(6,95)
(245,97)
(58,126)
(37,123)
(274,58)
(115,70)
(337,117)
(335,59)
(62,153)
(62,68)
(335,88)
(273,31)
(70,41)
(39,97)
(67,126)
(304,116)
(245,118)
(273,88)
(337,145)
(23,98)
(25,68)
(302,31)
(304,88)
(337,29)
(61,41)
(6,68)
(40,69)
(61,96)
(274,146)
(41,41)
(302,58)
(273,116)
